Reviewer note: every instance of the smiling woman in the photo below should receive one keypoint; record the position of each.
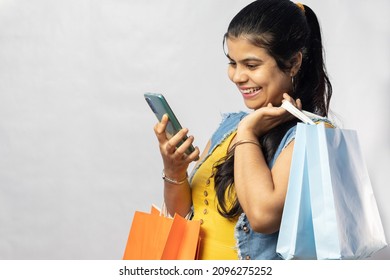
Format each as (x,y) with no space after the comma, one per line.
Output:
(77,150)
(238,187)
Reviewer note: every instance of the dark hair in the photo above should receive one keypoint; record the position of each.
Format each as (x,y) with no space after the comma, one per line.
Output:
(283,29)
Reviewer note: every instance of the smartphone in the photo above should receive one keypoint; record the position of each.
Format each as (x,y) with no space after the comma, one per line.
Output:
(160,106)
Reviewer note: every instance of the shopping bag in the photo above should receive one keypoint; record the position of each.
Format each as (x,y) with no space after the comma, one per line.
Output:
(296,235)
(156,237)
(346,220)
(332,187)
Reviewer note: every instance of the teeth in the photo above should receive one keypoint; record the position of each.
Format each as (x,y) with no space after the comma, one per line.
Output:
(250,90)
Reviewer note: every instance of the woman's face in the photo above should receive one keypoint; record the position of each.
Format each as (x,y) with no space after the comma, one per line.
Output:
(256,74)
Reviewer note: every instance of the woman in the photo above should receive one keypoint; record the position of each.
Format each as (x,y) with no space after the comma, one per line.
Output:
(238,187)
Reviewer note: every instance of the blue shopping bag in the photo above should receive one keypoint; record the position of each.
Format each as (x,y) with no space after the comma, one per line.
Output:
(346,220)
(296,235)
(330,210)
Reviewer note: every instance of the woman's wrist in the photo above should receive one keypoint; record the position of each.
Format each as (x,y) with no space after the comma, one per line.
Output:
(245,133)
(175,180)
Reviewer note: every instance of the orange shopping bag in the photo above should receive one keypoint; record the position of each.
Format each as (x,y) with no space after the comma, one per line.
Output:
(155,237)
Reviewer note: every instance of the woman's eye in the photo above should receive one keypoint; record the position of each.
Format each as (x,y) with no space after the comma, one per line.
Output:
(232,63)
(251,66)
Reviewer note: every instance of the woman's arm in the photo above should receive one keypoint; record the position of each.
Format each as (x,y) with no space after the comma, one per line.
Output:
(177,196)
(261,191)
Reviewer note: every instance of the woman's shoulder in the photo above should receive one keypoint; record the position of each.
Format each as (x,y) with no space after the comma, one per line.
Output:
(230,120)
(232,116)
(319,119)
(289,136)
(227,126)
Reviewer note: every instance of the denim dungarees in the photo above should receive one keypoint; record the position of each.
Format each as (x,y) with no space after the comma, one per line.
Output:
(250,244)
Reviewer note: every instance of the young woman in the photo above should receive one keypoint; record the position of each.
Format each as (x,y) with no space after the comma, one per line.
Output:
(238,187)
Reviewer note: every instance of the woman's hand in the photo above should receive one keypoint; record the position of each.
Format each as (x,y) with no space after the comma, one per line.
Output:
(175,159)
(264,119)
(176,197)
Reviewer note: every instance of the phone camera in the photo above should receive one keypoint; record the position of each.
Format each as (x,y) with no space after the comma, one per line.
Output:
(151,105)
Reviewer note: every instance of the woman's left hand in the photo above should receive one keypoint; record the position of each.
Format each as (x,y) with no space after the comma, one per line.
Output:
(264,119)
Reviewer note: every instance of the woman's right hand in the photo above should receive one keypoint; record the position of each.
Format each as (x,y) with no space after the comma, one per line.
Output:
(175,159)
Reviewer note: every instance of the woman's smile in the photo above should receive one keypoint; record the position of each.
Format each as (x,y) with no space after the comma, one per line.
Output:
(249,92)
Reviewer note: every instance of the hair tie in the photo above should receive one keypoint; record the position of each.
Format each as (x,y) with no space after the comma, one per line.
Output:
(300,6)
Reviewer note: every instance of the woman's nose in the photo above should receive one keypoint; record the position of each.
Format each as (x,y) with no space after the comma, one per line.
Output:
(239,75)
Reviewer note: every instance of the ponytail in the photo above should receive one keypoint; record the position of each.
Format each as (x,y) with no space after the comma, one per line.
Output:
(312,82)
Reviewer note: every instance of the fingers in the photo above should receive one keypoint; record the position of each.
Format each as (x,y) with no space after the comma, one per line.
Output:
(288,98)
(179,149)
(194,156)
(159,129)
(184,148)
(178,137)
(297,103)
(174,148)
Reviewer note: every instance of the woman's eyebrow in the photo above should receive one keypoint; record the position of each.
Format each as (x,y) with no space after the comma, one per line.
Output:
(251,59)
(246,60)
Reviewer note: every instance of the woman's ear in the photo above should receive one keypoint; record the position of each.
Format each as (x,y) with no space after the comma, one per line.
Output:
(296,62)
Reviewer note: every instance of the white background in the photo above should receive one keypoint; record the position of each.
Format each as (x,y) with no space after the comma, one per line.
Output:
(77,151)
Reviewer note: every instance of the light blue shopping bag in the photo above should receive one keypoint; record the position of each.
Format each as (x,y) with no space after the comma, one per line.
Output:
(296,235)
(330,210)
(346,221)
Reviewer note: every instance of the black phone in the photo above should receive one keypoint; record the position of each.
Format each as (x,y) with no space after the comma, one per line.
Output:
(160,107)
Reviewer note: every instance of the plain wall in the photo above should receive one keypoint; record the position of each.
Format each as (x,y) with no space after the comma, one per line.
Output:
(77,150)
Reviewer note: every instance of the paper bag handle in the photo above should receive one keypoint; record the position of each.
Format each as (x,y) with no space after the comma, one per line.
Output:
(296,112)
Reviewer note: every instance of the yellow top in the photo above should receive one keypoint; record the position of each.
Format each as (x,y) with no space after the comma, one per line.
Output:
(217,232)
